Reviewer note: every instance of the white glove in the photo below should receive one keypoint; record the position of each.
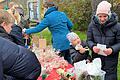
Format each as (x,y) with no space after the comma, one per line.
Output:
(23,31)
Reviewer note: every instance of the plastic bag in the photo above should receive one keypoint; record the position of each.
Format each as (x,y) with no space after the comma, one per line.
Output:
(89,71)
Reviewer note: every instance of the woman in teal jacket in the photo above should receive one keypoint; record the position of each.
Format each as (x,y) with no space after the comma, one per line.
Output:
(58,24)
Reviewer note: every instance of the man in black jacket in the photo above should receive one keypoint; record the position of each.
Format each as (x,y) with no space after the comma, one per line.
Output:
(6,22)
(8,30)
(16,62)
(104,29)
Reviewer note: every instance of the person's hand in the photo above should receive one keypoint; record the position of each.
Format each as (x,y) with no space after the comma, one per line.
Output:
(26,36)
(108,51)
(82,50)
(88,61)
(95,49)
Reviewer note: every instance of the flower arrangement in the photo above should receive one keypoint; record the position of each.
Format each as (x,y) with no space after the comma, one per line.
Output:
(52,63)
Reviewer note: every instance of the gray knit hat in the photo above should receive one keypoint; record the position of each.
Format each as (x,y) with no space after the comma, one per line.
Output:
(72,36)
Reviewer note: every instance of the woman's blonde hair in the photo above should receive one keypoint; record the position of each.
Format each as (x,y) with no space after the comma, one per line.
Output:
(5,17)
(15,15)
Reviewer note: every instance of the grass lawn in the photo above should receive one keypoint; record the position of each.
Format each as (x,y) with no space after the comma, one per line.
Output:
(47,35)
(119,68)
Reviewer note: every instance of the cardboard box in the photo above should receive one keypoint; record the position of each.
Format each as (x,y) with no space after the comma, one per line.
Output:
(35,40)
(42,43)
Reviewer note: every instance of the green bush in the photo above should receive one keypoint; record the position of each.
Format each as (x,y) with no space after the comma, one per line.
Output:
(79,11)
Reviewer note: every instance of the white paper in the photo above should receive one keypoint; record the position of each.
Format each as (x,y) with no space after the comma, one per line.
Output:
(78,46)
(102,47)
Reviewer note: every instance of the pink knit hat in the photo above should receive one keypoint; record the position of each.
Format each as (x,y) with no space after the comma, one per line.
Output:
(103,7)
